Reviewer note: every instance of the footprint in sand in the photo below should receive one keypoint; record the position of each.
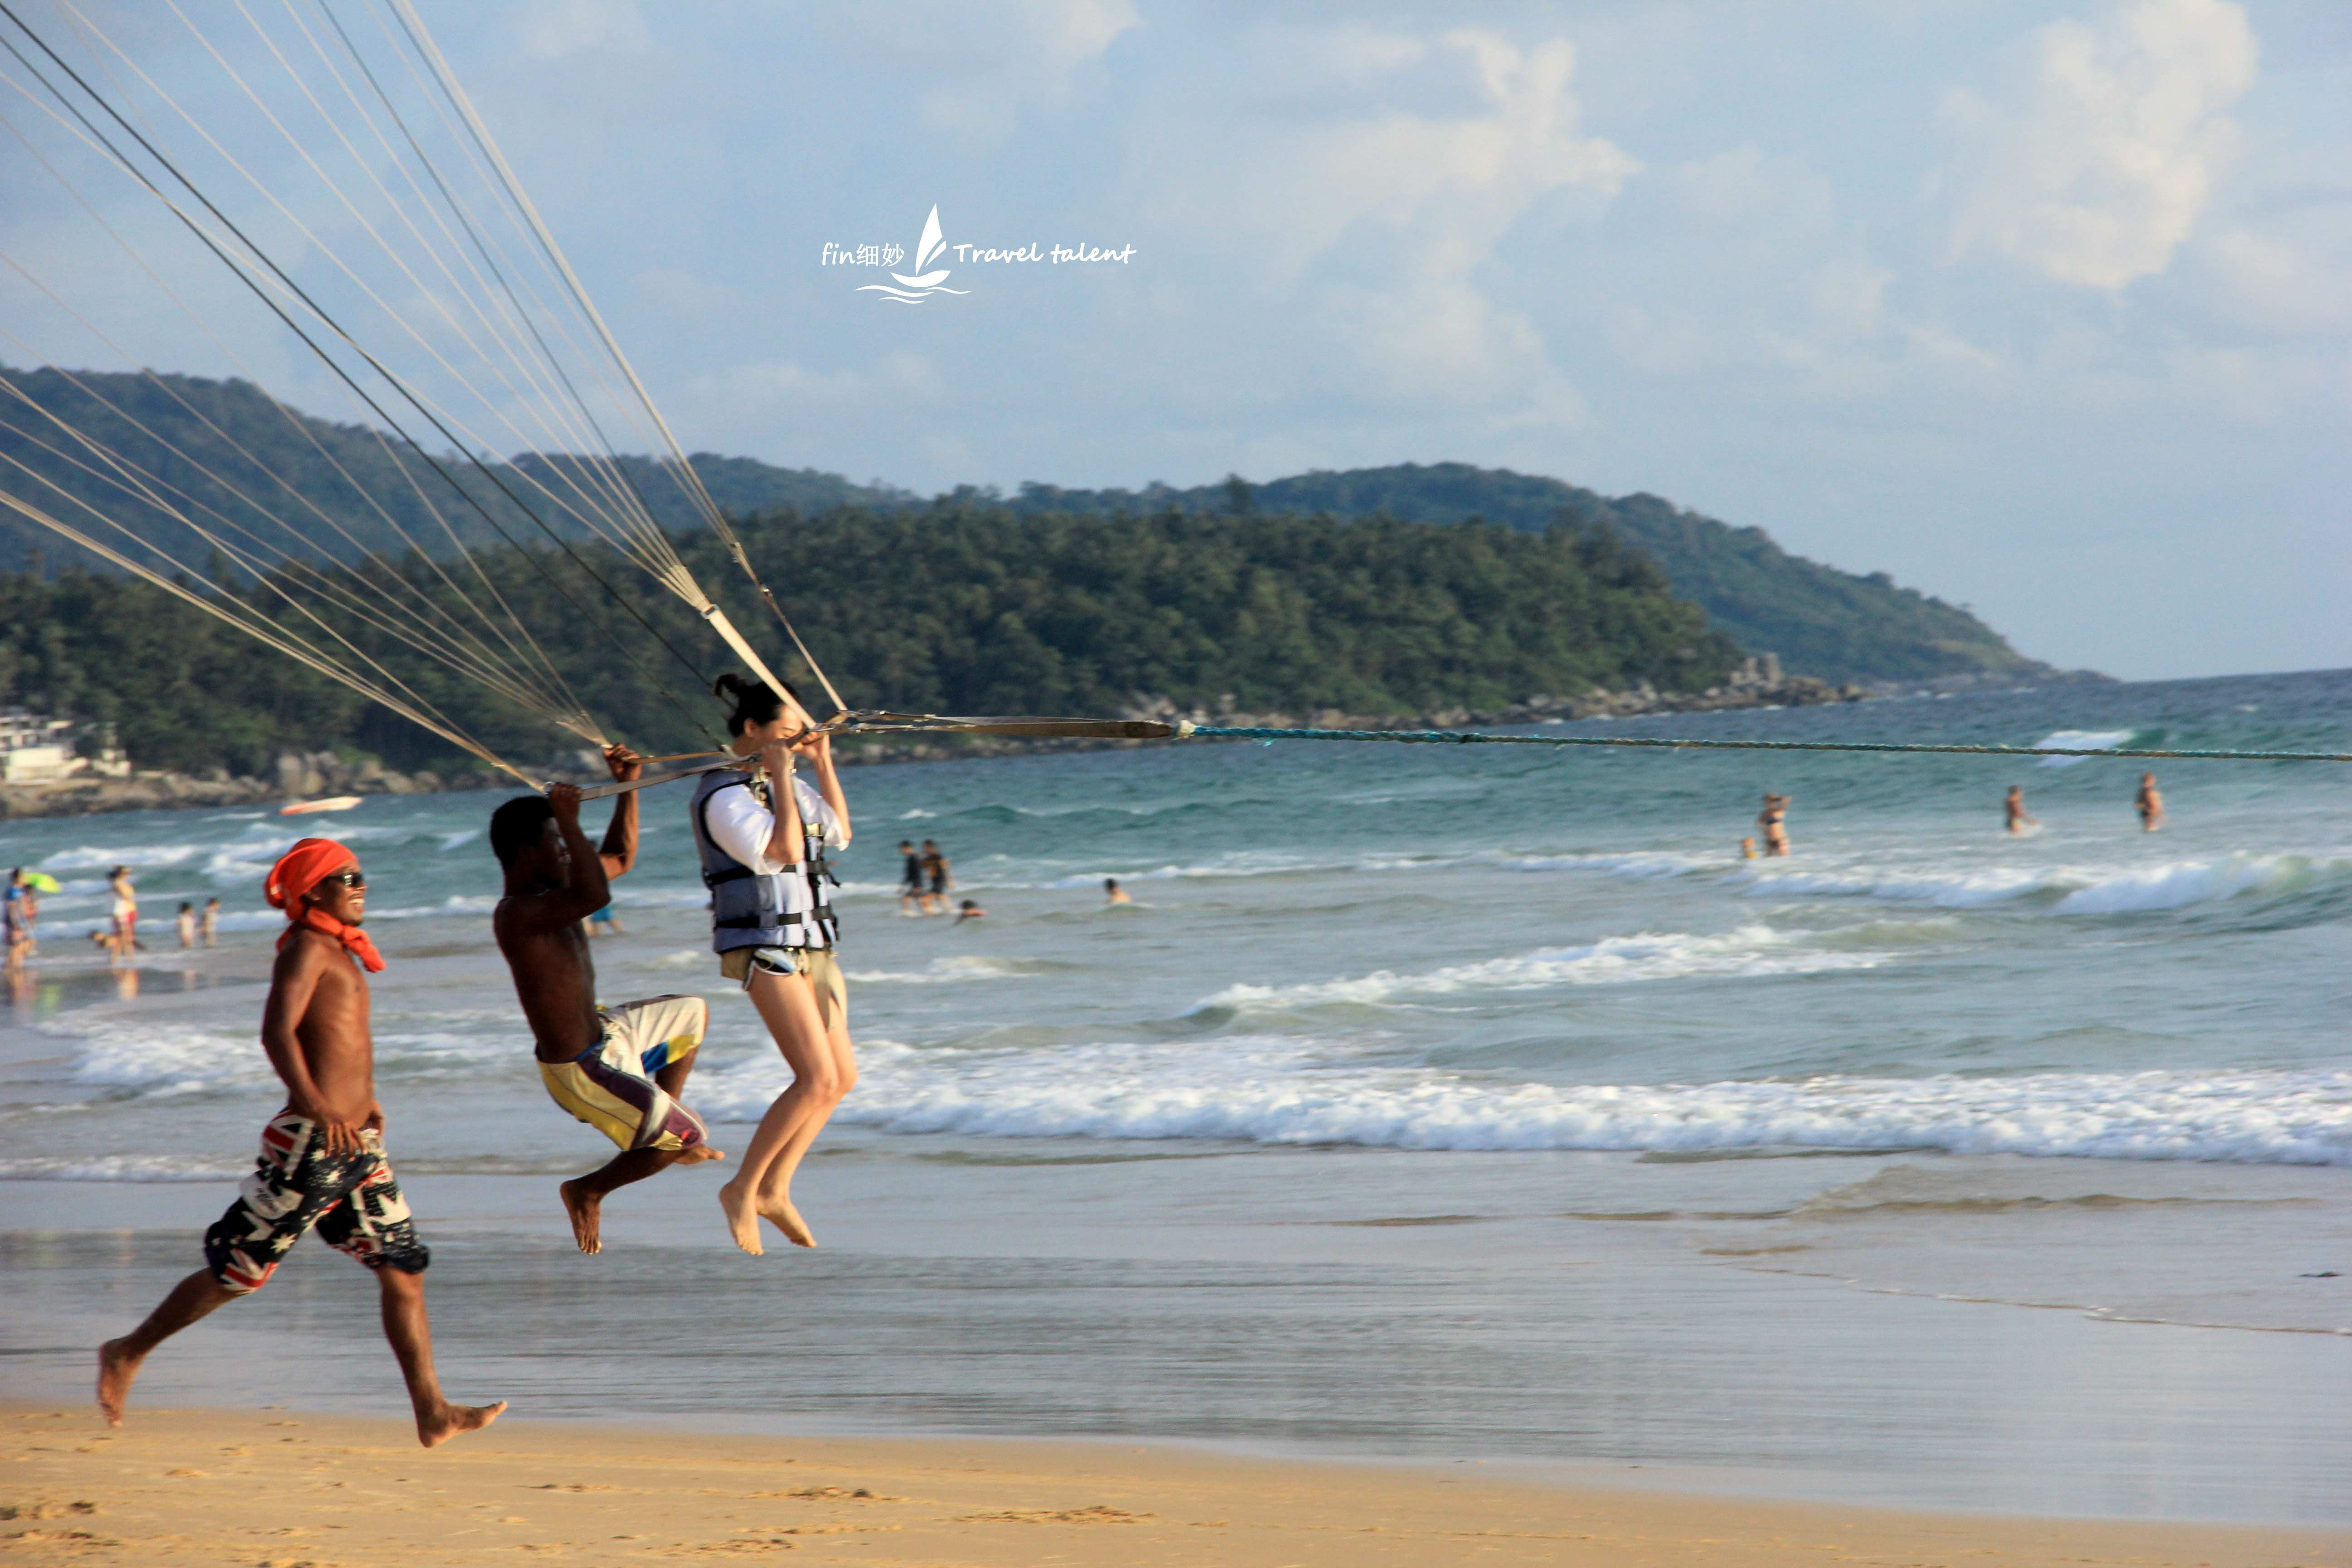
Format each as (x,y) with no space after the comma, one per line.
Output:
(1098,1514)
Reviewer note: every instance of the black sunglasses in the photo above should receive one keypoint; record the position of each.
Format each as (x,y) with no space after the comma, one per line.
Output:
(348,879)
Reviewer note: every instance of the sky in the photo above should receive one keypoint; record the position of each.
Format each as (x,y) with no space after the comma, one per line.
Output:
(2044,308)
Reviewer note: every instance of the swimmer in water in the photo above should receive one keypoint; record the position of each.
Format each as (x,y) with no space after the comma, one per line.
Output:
(1748,850)
(969,912)
(1113,893)
(2150,803)
(2015,806)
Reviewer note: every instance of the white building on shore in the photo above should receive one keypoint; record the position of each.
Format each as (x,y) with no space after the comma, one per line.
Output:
(38,749)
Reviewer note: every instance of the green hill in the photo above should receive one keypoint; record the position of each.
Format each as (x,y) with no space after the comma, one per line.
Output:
(959,607)
(204,437)
(233,456)
(1820,620)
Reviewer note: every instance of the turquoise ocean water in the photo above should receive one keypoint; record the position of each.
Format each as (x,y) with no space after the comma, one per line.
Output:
(1444,1102)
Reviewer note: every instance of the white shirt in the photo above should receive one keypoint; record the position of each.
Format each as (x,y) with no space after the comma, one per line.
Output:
(742,826)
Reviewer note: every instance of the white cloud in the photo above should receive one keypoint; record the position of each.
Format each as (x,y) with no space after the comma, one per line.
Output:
(2097,168)
(1373,178)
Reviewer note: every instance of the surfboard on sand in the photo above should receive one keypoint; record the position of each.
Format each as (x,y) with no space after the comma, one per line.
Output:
(332,803)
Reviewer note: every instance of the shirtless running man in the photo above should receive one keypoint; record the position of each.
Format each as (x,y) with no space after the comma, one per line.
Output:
(323,1161)
(619,1069)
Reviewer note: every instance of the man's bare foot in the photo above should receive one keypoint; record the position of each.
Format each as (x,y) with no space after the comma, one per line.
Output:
(742,1218)
(451,1419)
(698,1153)
(585,1209)
(780,1213)
(116,1369)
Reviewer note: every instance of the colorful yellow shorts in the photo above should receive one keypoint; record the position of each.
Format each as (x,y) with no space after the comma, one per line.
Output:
(611,1087)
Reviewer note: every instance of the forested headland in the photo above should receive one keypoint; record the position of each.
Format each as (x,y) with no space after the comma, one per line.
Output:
(1389,590)
(964,607)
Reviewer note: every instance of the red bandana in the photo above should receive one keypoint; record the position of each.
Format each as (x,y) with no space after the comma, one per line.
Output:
(299,870)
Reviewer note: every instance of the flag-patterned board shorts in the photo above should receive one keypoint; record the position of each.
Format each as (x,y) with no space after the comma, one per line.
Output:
(611,1087)
(352,1198)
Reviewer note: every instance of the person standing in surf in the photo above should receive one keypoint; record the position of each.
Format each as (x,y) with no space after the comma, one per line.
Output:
(619,1069)
(1774,820)
(2149,804)
(124,909)
(20,928)
(323,1163)
(910,880)
(762,831)
(2015,808)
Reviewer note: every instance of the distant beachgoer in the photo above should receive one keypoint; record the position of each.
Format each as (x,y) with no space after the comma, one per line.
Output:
(939,877)
(187,923)
(618,1069)
(209,922)
(1114,893)
(969,912)
(124,911)
(1774,820)
(910,880)
(609,926)
(2150,805)
(18,929)
(323,1163)
(1748,850)
(2015,806)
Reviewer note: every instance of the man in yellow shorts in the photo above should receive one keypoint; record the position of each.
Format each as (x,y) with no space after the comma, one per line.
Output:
(619,1069)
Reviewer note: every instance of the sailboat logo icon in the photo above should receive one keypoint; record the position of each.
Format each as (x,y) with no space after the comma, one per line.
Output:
(922,285)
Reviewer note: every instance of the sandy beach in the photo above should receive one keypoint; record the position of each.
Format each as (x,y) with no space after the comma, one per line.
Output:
(294,1489)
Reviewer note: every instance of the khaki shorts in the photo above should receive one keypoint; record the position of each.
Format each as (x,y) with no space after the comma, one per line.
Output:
(823,969)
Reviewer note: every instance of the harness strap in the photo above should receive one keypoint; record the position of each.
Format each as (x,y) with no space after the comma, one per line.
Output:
(759,922)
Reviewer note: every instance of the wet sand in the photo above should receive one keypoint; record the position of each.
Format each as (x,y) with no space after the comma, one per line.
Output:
(294,1489)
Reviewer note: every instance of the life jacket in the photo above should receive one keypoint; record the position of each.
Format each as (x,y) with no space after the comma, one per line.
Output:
(748,907)
(822,924)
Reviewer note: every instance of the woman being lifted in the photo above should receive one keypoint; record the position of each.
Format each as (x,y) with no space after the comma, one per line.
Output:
(762,831)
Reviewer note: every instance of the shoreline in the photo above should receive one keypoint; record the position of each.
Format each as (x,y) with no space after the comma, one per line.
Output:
(276,1485)
(302,776)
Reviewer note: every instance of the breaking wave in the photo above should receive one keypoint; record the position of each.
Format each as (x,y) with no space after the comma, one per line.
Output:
(1264,1090)
(1752,950)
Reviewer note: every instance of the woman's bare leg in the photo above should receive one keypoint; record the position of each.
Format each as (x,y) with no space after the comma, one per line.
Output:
(788,1007)
(775,1200)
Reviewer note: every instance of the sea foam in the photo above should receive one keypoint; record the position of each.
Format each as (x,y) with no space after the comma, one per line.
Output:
(1268,1089)
(1752,950)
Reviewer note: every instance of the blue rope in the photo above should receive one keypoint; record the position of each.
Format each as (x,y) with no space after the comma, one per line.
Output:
(1472,737)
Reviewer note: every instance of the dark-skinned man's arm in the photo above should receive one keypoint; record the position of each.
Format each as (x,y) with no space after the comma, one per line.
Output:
(620,850)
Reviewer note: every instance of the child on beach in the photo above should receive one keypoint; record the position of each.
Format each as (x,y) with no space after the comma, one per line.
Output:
(323,1163)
